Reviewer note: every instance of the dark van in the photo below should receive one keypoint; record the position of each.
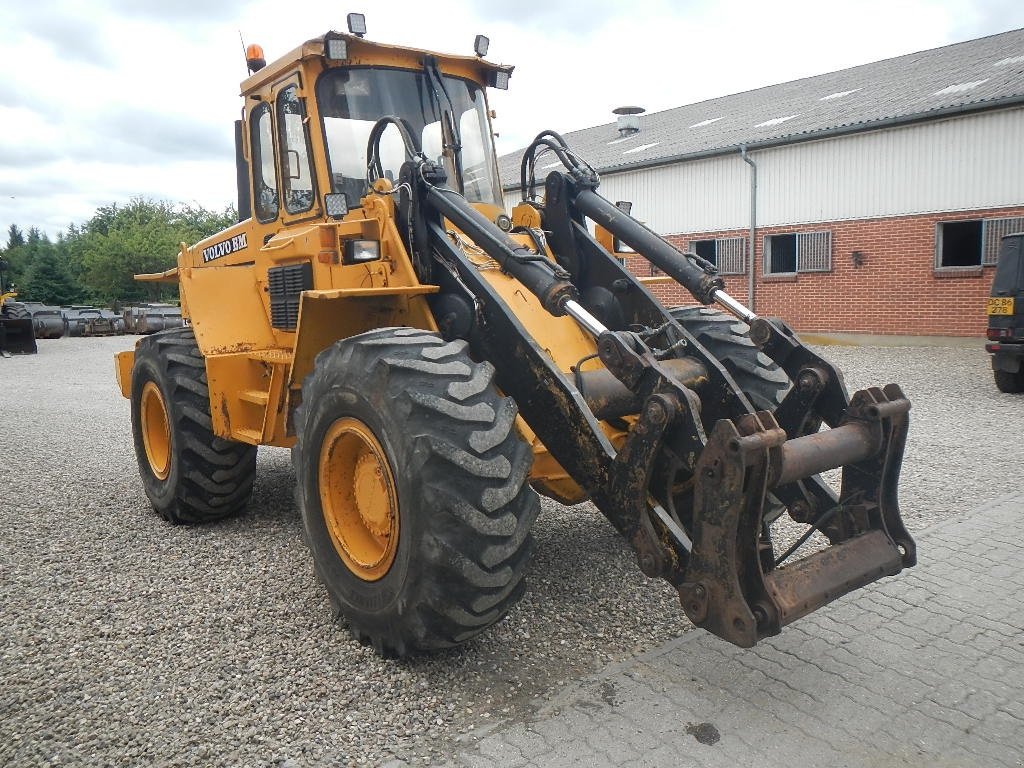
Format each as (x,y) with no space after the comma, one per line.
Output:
(1006,316)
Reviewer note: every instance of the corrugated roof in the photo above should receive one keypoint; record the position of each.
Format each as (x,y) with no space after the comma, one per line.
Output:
(957,78)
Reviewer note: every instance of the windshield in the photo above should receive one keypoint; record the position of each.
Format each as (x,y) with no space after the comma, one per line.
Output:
(351,100)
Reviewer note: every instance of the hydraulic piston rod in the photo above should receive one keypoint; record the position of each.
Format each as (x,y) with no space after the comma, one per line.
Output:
(590,323)
(726,301)
(539,275)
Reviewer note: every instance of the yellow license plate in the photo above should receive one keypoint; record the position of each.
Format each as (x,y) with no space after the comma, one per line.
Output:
(1000,306)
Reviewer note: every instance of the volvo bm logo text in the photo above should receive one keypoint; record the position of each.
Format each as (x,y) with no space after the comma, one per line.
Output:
(223,248)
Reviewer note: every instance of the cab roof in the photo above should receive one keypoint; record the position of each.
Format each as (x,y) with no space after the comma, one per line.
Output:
(366,52)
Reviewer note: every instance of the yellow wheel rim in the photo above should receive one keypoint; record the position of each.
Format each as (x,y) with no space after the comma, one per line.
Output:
(358,498)
(156,431)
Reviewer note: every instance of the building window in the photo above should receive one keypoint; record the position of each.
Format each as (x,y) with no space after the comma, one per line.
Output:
(993,232)
(972,243)
(726,253)
(958,244)
(798,252)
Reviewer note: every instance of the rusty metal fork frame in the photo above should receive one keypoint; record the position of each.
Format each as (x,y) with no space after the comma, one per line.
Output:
(729,588)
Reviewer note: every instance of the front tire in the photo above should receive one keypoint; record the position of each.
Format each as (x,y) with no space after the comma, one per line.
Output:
(763,382)
(759,377)
(412,487)
(190,475)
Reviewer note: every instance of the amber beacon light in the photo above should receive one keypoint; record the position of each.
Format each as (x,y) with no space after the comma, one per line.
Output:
(254,58)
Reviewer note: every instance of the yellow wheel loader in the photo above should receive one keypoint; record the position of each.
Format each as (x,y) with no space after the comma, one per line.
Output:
(17,333)
(434,364)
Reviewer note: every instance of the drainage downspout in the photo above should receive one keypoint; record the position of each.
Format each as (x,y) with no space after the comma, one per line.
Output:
(753,225)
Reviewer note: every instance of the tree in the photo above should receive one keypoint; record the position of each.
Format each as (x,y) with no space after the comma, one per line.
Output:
(22,254)
(142,236)
(98,260)
(48,280)
(14,237)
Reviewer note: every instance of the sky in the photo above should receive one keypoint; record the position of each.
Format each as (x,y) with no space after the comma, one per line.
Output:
(112,99)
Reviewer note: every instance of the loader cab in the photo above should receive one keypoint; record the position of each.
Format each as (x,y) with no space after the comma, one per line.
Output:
(309,115)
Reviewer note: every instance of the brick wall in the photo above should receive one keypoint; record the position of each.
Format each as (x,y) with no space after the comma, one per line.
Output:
(897,290)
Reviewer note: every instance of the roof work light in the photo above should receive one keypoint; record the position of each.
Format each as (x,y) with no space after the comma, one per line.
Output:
(335,47)
(357,24)
(498,78)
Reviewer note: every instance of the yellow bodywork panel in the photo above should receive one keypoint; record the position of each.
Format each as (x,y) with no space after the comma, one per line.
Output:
(247,396)
(123,363)
(226,308)
(329,316)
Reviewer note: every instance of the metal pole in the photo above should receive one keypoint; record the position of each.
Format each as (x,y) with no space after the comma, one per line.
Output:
(753,224)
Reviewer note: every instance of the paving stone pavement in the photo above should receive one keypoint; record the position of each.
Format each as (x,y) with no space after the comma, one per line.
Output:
(925,669)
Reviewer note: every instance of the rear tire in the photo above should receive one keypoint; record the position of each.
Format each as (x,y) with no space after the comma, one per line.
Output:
(728,339)
(190,475)
(454,491)
(1008,382)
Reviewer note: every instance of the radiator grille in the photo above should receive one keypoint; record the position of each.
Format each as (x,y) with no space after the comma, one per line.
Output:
(286,286)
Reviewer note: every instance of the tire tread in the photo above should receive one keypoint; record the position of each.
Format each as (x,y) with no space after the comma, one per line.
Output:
(215,476)
(472,469)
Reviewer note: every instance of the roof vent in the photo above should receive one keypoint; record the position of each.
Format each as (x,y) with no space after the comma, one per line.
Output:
(960,87)
(628,120)
(775,121)
(838,95)
(641,148)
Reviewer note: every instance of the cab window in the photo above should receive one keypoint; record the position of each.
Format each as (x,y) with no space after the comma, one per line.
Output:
(296,173)
(351,100)
(264,176)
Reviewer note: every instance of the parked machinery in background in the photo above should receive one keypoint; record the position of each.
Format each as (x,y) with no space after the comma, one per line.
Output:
(47,321)
(150,318)
(16,333)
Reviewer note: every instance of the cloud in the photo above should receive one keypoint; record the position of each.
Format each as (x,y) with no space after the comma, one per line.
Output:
(577,18)
(73,39)
(26,157)
(12,94)
(974,19)
(179,11)
(138,134)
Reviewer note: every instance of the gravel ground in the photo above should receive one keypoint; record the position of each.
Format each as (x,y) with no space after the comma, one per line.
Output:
(126,640)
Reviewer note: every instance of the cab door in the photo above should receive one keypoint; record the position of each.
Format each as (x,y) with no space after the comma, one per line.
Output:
(298,195)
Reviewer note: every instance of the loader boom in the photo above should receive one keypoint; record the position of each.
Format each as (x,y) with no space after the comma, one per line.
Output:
(734,455)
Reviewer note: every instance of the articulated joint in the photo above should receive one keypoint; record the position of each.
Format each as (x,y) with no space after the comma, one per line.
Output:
(622,353)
